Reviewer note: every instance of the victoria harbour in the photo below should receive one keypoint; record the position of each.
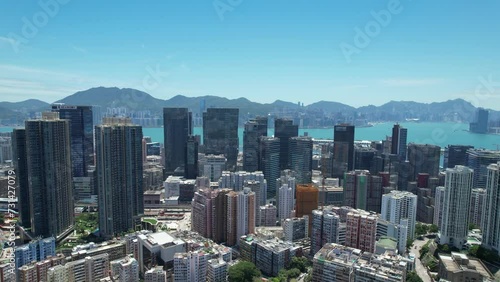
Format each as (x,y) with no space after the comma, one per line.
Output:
(441,134)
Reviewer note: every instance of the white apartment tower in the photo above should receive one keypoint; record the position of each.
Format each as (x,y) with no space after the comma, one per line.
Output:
(456,202)
(491,209)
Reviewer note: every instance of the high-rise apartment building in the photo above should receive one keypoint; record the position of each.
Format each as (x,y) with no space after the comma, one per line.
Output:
(156,274)
(284,129)
(269,149)
(220,134)
(400,208)
(477,201)
(456,202)
(48,150)
(267,215)
(300,158)
(295,228)
(20,161)
(343,149)
(362,190)
(456,155)
(253,130)
(423,158)
(438,206)
(241,215)
(126,269)
(491,209)
(398,143)
(217,270)
(191,266)
(285,202)
(177,126)
(361,230)
(119,175)
(325,229)
(82,135)
(479,160)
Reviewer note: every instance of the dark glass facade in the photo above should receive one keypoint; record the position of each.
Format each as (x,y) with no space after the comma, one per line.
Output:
(301,158)
(191,158)
(456,155)
(82,137)
(343,149)
(399,137)
(220,134)
(177,126)
(284,129)
(254,129)
(269,151)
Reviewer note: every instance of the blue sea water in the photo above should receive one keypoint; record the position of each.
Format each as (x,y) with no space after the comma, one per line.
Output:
(441,134)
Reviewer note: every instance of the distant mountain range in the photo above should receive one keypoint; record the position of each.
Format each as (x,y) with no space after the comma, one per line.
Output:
(134,101)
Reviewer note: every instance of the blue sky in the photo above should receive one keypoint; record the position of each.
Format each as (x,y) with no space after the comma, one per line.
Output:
(264,50)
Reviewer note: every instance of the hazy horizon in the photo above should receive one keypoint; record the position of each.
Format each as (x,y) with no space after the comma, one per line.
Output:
(356,53)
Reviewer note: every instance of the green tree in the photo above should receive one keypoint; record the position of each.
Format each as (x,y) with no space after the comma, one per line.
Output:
(413,277)
(424,250)
(421,229)
(293,273)
(301,263)
(409,243)
(433,228)
(473,226)
(244,271)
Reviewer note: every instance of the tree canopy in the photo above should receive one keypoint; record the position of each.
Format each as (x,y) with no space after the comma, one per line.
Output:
(244,271)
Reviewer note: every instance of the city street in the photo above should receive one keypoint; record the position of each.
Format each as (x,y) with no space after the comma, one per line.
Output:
(419,268)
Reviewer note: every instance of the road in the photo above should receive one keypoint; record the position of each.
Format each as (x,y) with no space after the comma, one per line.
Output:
(419,267)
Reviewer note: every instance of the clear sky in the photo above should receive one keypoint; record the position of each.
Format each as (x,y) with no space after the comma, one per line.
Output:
(354,52)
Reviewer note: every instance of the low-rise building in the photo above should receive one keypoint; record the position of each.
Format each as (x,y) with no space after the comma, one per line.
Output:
(459,267)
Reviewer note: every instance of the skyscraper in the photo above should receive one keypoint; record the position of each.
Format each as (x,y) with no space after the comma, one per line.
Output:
(456,155)
(307,200)
(284,129)
(398,145)
(177,126)
(191,158)
(20,161)
(119,175)
(82,135)
(220,134)
(269,151)
(48,150)
(480,123)
(456,202)
(343,149)
(301,158)
(423,158)
(254,129)
(479,160)
(491,209)
(400,208)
